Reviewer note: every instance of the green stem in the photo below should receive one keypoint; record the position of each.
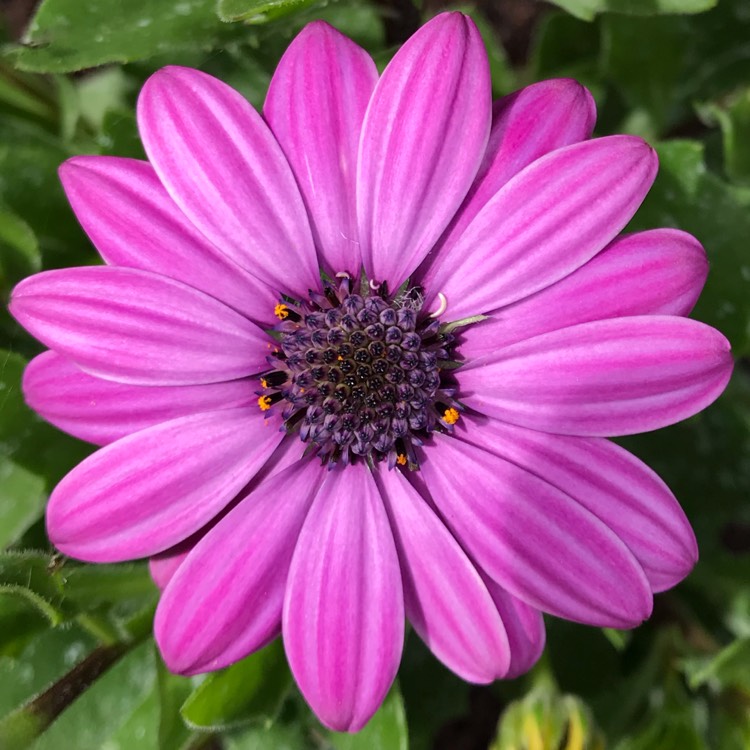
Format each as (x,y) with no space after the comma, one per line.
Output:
(20,727)
(100,628)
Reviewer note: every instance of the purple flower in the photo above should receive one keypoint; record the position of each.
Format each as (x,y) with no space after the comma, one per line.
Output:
(330,478)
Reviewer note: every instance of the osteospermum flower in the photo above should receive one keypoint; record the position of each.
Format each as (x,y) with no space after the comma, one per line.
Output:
(353,361)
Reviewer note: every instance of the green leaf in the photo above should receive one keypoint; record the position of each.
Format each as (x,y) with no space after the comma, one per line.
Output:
(19,256)
(29,186)
(119,135)
(19,623)
(140,728)
(101,92)
(24,438)
(618,638)
(429,689)
(688,196)
(665,733)
(731,666)
(661,65)
(22,499)
(103,715)
(650,83)
(567,46)
(360,21)
(733,116)
(27,574)
(173,692)
(274,737)
(89,586)
(385,731)
(44,659)
(587,9)
(26,94)
(12,408)
(250,690)
(20,727)
(61,38)
(113,602)
(259,11)
(19,249)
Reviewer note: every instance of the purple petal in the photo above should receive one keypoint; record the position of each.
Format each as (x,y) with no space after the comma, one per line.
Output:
(423,139)
(659,272)
(225,600)
(102,411)
(609,377)
(315,106)
(446,600)
(524,626)
(133,222)
(550,219)
(138,327)
(535,541)
(343,620)
(223,167)
(613,484)
(526,125)
(151,490)
(163,566)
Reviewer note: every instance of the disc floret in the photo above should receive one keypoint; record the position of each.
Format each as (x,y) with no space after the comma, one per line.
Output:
(361,375)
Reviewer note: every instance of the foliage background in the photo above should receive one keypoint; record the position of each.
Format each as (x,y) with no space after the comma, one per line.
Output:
(78,668)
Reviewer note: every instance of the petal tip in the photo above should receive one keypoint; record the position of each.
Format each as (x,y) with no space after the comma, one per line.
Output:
(453,22)
(85,163)
(158,81)
(74,172)
(319,27)
(69,167)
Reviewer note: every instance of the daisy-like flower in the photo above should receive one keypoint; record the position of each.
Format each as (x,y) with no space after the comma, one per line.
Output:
(295,428)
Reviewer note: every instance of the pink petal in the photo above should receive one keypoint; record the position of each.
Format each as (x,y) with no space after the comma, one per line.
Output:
(102,411)
(315,106)
(133,222)
(138,327)
(613,484)
(524,626)
(343,620)
(223,167)
(609,377)
(225,600)
(526,125)
(659,272)
(446,600)
(164,565)
(550,219)
(535,541)
(151,490)
(423,139)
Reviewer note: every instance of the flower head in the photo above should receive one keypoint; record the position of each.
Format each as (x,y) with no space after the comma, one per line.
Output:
(353,361)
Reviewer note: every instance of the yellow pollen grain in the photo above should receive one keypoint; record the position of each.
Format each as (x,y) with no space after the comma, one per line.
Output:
(340,358)
(451,416)
(264,383)
(281,311)
(401,459)
(264,402)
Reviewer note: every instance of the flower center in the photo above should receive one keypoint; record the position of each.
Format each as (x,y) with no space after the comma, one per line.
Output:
(361,374)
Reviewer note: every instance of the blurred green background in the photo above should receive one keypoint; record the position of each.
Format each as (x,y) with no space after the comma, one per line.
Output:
(78,669)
